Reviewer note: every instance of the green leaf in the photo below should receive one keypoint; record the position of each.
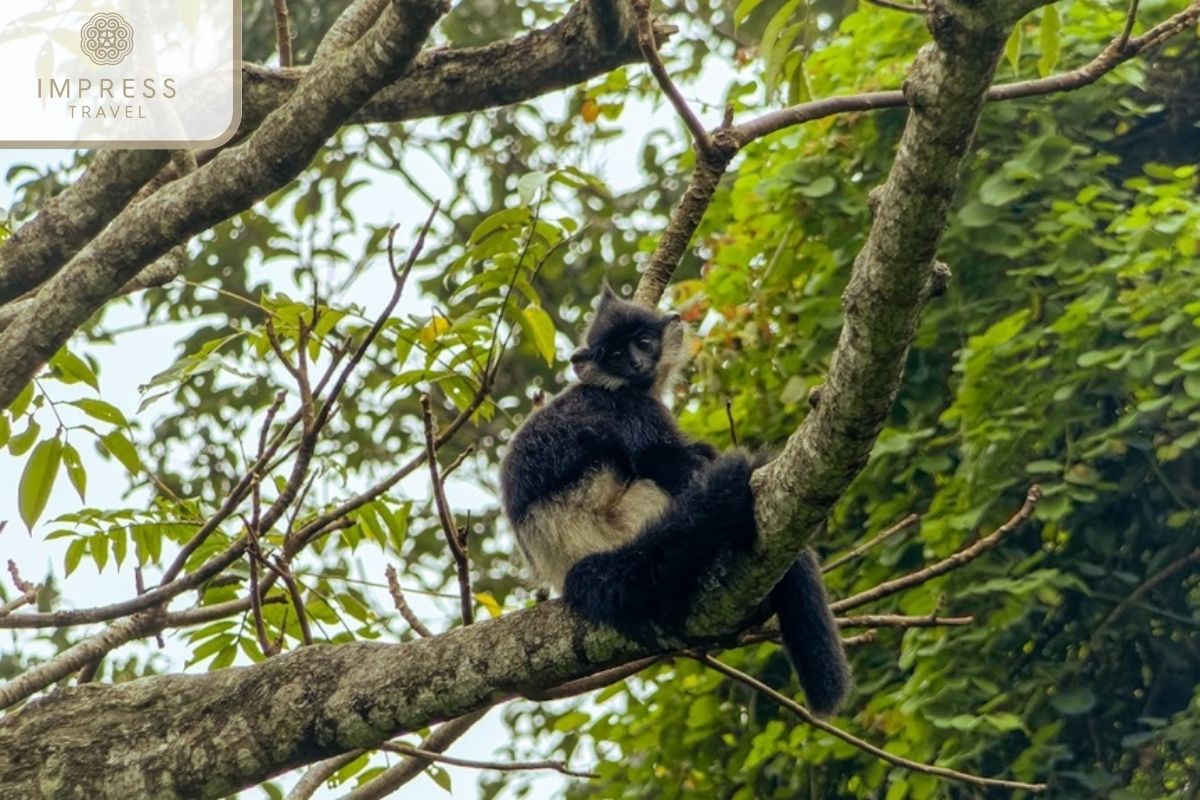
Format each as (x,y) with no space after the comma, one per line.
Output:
(120,544)
(37,480)
(98,409)
(819,188)
(1050,40)
(572,720)
(121,449)
(18,444)
(73,369)
(540,327)
(1006,721)
(75,551)
(529,185)
(98,545)
(75,470)
(1074,701)
(1012,49)
(440,777)
(21,403)
(744,9)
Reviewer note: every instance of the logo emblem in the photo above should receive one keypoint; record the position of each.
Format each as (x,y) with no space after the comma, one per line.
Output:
(106,38)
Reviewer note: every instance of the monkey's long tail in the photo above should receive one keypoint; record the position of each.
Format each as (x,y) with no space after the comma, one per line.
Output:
(810,635)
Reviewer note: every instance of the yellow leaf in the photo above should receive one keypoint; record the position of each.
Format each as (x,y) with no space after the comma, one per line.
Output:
(433,329)
(486,600)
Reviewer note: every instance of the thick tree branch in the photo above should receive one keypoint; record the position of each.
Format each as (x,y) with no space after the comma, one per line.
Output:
(592,38)
(881,304)
(201,735)
(73,217)
(280,148)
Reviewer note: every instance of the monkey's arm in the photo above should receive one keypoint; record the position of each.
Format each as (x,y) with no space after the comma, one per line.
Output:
(674,466)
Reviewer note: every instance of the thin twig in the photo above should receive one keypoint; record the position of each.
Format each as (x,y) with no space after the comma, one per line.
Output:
(593,682)
(283,33)
(899,621)
(28,592)
(903,525)
(900,6)
(1140,591)
(260,627)
(457,462)
(498,766)
(851,739)
(316,775)
(391,779)
(1130,19)
(293,588)
(449,527)
(646,42)
(866,637)
(955,561)
(402,605)
(733,437)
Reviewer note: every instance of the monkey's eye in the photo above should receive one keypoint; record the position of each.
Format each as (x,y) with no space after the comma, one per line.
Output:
(644,342)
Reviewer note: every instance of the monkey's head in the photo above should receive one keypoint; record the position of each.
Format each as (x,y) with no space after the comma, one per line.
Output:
(630,346)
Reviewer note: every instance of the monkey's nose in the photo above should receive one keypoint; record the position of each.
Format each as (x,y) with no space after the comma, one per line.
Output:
(581,355)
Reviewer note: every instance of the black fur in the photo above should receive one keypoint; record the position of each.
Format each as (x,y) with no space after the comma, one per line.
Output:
(652,581)
(810,634)
(613,420)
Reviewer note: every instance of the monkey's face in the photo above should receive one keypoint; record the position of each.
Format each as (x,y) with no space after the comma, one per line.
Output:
(629,346)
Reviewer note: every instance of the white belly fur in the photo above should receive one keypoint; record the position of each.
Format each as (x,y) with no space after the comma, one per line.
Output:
(600,513)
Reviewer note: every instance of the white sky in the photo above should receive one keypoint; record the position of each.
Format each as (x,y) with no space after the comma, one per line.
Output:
(139,354)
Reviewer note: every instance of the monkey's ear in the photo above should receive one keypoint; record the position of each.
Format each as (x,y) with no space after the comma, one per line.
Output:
(607,295)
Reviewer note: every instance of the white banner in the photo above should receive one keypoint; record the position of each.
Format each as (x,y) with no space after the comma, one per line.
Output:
(119,73)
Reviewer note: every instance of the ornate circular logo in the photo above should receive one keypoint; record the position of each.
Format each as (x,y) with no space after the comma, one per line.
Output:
(106,38)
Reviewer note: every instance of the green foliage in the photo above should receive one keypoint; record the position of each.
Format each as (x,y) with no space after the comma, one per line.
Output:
(1064,353)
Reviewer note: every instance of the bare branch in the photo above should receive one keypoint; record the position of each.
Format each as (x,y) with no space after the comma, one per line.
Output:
(284,143)
(293,589)
(646,41)
(592,682)
(1139,592)
(1130,21)
(810,718)
(895,6)
(497,766)
(449,527)
(955,561)
(899,621)
(349,27)
(28,592)
(908,522)
(77,656)
(393,778)
(316,775)
(71,218)
(283,33)
(402,605)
